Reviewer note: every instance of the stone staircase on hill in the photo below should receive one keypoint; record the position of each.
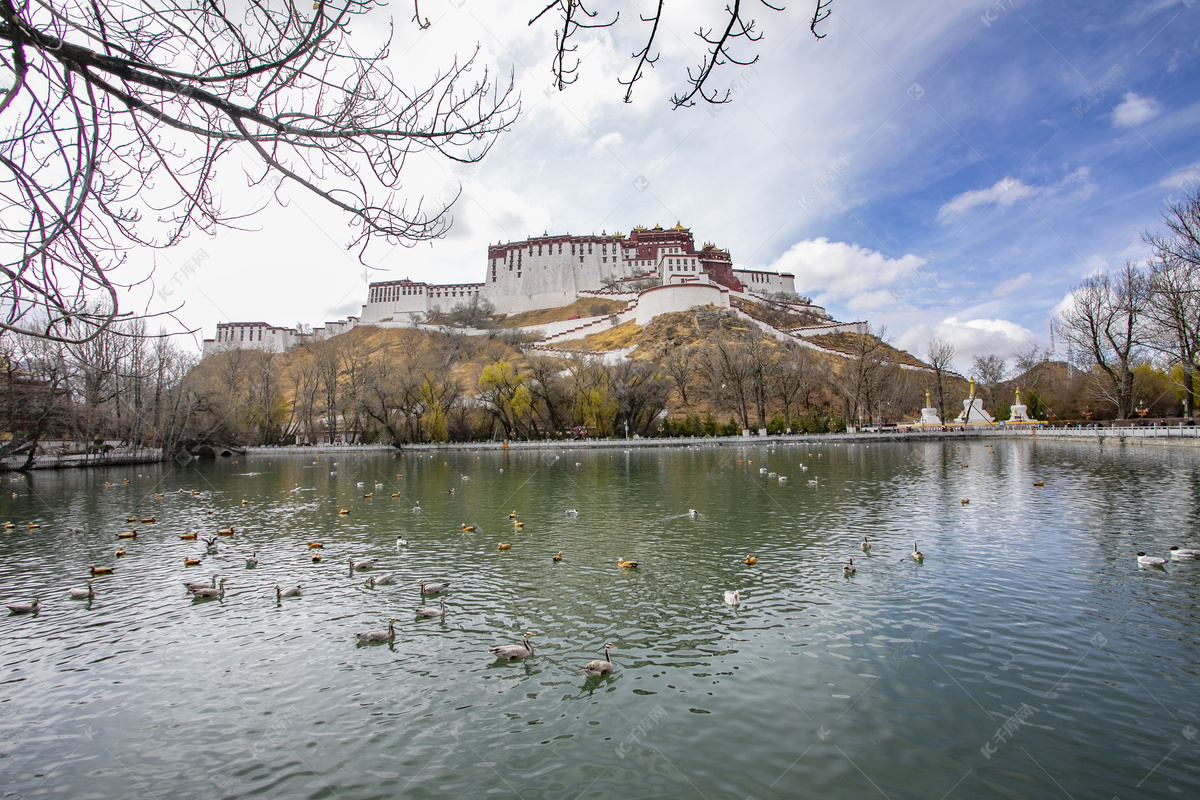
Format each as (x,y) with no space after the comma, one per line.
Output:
(592,325)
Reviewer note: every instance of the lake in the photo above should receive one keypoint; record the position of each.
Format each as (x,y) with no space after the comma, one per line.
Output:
(1028,655)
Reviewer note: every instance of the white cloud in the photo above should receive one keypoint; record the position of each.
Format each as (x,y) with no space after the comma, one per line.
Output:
(972,337)
(1134,109)
(848,273)
(1012,284)
(1003,193)
(1008,190)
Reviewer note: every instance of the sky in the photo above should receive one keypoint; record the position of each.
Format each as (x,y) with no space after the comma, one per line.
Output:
(937,169)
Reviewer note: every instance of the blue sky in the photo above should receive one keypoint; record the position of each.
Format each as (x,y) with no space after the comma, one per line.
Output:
(938,168)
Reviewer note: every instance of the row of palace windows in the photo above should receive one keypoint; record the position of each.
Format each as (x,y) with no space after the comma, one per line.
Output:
(226,334)
(386,293)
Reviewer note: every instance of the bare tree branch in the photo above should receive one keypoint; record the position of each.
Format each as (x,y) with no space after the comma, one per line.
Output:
(571,23)
(119,115)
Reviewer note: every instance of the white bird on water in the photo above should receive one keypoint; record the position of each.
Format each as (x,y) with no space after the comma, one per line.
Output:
(401,541)
(1150,561)
(733,598)
(572,512)
(1180,552)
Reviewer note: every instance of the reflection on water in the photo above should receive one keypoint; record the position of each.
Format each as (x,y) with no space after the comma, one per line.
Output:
(1027,656)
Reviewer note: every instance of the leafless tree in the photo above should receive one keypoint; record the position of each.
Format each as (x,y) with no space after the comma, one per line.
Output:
(1174,307)
(640,392)
(860,378)
(1173,313)
(729,375)
(735,28)
(989,371)
(940,355)
(680,365)
(791,372)
(119,114)
(33,396)
(1105,321)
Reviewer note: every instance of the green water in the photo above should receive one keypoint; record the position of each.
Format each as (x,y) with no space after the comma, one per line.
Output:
(1028,656)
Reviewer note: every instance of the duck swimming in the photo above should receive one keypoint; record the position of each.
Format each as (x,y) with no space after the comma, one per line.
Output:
(430,613)
(378,636)
(599,667)
(510,652)
(25,608)
(733,598)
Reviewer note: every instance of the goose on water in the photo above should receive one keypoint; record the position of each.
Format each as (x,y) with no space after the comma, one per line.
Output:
(733,598)
(252,559)
(362,563)
(430,589)
(376,636)
(83,594)
(430,613)
(1150,561)
(599,667)
(25,608)
(510,652)
(192,586)
(865,546)
(1181,552)
(208,591)
(291,591)
(848,569)
(916,554)
(381,580)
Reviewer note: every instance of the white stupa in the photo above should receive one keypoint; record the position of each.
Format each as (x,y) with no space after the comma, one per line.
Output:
(929,415)
(1017,413)
(973,412)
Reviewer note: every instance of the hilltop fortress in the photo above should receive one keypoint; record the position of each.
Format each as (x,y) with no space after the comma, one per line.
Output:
(656,270)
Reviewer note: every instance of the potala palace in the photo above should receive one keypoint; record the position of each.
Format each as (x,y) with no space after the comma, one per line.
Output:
(655,270)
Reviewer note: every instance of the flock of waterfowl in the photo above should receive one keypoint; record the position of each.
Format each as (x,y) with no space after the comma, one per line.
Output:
(215,588)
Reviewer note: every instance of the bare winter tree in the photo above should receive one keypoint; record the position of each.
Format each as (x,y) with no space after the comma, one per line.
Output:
(118,115)
(1173,312)
(734,28)
(1105,322)
(940,354)
(1174,307)
(989,370)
